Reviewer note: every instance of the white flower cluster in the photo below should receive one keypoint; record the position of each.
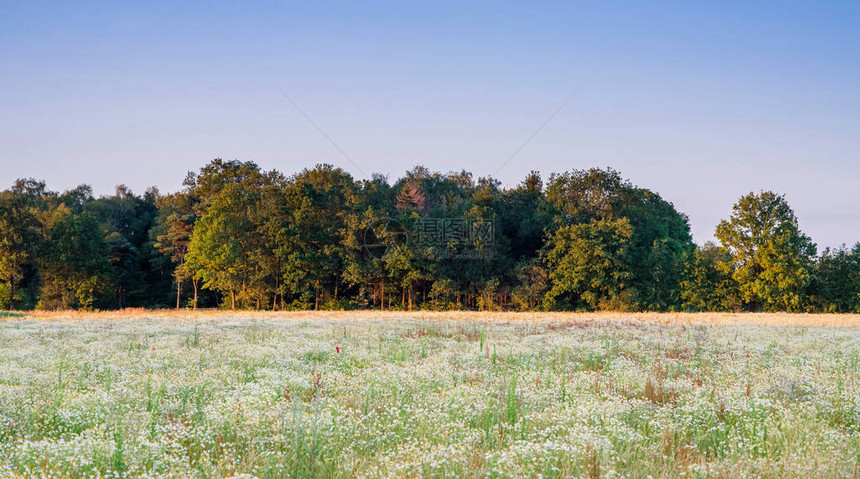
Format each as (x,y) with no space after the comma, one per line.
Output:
(242,398)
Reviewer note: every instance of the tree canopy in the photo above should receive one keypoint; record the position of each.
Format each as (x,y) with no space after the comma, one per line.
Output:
(237,236)
(771,258)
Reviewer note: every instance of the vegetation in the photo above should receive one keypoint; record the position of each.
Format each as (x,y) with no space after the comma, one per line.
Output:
(243,238)
(375,395)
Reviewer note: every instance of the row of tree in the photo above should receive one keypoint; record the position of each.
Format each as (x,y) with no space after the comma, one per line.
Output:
(240,237)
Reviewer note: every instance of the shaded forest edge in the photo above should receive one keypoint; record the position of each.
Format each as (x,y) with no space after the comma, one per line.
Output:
(239,237)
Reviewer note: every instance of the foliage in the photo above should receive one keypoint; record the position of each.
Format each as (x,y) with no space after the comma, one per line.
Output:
(588,263)
(75,269)
(219,251)
(707,283)
(770,256)
(19,241)
(241,237)
(660,238)
(836,280)
(171,236)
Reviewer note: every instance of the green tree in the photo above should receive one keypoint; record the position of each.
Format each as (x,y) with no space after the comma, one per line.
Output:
(202,190)
(271,220)
(770,256)
(835,284)
(707,283)
(524,218)
(217,175)
(19,239)
(75,270)
(125,220)
(532,284)
(221,242)
(587,264)
(589,239)
(172,236)
(371,229)
(313,253)
(125,268)
(660,240)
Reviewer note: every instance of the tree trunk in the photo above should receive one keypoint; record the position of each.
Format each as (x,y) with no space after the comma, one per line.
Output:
(232,299)
(11,294)
(194,282)
(278,290)
(178,291)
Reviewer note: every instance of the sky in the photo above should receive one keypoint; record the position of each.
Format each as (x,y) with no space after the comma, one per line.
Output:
(701,102)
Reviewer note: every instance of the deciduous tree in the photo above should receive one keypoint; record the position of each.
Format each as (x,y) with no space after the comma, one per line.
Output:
(771,257)
(587,264)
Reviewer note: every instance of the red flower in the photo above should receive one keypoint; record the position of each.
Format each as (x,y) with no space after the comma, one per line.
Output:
(337,348)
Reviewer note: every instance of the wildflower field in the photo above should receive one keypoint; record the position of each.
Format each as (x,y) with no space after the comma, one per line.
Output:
(435,395)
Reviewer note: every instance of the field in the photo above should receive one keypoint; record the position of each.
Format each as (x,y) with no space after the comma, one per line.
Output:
(158,394)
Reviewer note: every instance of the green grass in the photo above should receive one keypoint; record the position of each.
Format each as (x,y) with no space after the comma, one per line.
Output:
(436,398)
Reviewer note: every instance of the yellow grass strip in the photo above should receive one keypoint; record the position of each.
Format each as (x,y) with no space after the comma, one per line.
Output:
(832,320)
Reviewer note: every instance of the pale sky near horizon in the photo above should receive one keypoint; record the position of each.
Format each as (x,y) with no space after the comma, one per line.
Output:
(701,102)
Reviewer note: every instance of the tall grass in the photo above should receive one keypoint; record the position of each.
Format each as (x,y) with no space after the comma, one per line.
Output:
(157,394)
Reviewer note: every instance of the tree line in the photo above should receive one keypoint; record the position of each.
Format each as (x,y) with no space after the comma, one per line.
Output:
(237,236)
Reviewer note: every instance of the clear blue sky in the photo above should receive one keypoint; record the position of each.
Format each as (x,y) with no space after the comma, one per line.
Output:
(699,101)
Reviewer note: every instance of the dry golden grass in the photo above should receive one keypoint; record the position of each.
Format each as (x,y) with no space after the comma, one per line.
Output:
(773,319)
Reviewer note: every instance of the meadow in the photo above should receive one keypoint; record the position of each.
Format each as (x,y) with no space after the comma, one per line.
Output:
(217,394)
